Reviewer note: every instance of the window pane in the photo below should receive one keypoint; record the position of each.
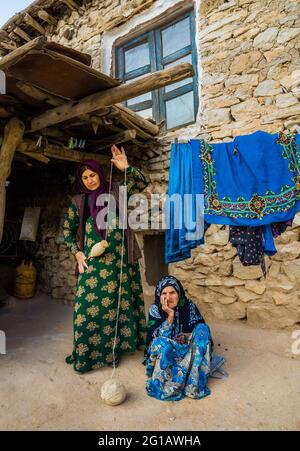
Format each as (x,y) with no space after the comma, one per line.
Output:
(146,114)
(185,59)
(176,37)
(142,98)
(180,110)
(137,57)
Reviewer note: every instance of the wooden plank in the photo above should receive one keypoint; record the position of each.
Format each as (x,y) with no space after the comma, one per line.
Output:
(13,57)
(13,133)
(44,15)
(119,138)
(112,96)
(61,152)
(18,31)
(138,120)
(34,24)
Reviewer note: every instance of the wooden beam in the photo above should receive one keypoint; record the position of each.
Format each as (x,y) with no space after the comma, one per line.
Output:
(13,133)
(71,4)
(34,24)
(119,138)
(112,96)
(18,31)
(10,46)
(47,17)
(138,120)
(129,124)
(61,152)
(36,156)
(6,111)
(19,52)
(39,94)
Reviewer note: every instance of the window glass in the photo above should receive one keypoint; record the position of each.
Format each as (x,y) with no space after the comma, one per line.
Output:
(176,37)
(180,110)
(137,57)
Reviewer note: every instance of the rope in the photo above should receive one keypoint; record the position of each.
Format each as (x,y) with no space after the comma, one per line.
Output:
(120,281)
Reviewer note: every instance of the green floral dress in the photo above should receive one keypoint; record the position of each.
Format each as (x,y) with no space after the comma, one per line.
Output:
(96,301)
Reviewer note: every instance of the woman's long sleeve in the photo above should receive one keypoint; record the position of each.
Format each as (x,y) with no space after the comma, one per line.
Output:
(136,180)
(70,227)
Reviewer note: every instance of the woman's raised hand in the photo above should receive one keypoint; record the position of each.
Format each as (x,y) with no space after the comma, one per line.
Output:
(81,260)
(119,158)
(169,311)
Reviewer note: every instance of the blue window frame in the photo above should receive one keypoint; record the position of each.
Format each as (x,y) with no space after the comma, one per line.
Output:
(164,47)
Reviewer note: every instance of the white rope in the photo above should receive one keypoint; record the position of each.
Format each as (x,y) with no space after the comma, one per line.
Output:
(121,277)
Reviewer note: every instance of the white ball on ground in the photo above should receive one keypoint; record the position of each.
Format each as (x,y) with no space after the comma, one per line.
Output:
(113,392)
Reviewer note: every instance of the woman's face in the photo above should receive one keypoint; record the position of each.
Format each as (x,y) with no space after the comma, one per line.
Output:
(90,179)
(171,296)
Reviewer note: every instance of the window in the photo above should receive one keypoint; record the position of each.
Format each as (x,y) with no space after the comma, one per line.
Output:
(172,44)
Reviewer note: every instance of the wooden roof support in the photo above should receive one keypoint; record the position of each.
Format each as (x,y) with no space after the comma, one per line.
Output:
(34,24)
(39,94)
(43,15)
(19,52)
(36,156)
(18,31)
(112,96)
(60,152)
(6,111)
(10,46)
(71,4)
(119,138)
(136,119)
(13,133)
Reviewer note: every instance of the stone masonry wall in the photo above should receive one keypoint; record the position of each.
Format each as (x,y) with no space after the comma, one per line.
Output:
(250,64)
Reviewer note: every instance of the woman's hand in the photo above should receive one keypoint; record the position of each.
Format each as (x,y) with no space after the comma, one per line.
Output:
(81,260)
(169,311)
(119,158)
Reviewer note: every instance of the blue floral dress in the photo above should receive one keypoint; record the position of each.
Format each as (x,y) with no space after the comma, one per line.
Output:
(178,366)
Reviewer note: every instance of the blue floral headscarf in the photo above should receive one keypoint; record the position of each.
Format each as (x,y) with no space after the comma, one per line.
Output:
(186,316)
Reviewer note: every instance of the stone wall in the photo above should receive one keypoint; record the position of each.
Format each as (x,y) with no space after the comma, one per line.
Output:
(249,79)
(250,65)
(83,29)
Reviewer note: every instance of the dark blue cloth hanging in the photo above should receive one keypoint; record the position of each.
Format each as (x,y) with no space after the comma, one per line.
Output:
(177,245)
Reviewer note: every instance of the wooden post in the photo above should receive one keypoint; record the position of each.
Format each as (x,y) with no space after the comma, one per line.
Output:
(112,96)
(13,133)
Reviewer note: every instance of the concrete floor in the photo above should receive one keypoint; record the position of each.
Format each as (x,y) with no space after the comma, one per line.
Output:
(40,392)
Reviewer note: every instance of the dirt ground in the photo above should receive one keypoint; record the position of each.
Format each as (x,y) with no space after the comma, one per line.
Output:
(40,392)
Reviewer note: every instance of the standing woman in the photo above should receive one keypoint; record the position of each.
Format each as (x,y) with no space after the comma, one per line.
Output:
(96,302)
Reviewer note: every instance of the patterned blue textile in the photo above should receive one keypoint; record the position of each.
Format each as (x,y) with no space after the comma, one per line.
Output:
(250,181)
(176,370)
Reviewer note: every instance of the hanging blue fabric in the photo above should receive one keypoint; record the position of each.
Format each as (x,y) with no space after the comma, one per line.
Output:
(177,243)
(250,181)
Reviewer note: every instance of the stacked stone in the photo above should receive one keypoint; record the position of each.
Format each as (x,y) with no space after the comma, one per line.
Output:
(226,289)
(83,29)
(56,268)
(251,73)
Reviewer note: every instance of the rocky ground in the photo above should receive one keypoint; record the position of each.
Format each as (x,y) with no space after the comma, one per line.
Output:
(40,392)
